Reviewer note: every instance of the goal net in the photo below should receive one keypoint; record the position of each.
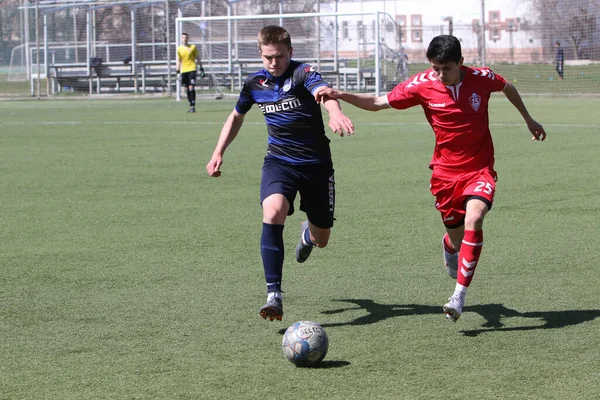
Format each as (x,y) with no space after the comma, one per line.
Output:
(360,54)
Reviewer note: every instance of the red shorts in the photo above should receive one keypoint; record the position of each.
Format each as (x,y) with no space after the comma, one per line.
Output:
(451,195)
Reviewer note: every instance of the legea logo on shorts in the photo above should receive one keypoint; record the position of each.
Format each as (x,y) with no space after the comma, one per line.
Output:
(331,193)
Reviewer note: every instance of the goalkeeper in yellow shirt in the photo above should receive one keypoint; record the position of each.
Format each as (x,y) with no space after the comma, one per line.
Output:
(188,59)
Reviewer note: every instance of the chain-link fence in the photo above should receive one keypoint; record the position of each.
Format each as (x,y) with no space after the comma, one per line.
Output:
(54,47)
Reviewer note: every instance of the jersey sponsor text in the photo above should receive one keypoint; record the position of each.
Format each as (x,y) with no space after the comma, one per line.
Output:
(283,105)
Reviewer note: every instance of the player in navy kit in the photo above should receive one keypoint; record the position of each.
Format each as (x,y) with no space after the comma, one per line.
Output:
(298,156)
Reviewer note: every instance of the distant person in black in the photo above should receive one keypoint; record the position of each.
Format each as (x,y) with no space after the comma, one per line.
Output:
(298,155)
(560,60)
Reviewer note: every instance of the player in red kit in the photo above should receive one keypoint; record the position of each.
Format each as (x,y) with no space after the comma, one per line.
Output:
(455,101)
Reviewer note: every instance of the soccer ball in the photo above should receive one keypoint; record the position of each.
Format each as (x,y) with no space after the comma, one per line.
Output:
(305,343)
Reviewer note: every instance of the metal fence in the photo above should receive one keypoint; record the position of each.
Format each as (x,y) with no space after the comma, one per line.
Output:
(50,47)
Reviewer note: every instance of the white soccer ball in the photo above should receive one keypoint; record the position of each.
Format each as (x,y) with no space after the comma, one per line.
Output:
(305,343)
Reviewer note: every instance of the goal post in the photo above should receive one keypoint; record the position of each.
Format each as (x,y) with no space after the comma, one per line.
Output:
(352,61)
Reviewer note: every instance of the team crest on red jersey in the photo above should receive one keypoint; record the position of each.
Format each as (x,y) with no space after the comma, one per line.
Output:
(475,101)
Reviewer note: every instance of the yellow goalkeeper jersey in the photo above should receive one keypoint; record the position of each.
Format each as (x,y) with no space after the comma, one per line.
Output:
(187,55)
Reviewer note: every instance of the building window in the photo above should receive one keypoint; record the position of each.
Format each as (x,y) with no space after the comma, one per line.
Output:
(417,35)
(374,30)
(511,24)
(416,20)
(495,34)
(345,29)
(360,28)
(401,21)
(494,17)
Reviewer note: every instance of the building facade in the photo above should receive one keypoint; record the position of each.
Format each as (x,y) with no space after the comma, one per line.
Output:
(508,35)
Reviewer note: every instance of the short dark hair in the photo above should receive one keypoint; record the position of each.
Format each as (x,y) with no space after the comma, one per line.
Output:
(185,34)
(557,43)
(444,48)
(274,34)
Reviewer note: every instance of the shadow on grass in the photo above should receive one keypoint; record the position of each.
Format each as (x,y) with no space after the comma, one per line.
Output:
(328,364)
(493,314)
(331,364)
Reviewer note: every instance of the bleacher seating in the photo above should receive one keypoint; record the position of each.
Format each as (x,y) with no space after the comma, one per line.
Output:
(153,76)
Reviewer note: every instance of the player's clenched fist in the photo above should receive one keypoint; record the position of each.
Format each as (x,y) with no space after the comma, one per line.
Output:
(537,130)
(213,166)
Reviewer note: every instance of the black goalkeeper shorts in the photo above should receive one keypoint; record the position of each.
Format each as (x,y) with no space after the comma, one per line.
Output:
(188,78)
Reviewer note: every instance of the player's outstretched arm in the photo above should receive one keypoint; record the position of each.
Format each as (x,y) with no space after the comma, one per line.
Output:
(228,133)
(338,122)
(536,129)
(361,100)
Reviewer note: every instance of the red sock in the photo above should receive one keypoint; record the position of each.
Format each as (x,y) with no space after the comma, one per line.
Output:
(468,256)
(447,245)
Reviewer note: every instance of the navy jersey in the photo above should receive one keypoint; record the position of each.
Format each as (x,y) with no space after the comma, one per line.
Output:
(294,119)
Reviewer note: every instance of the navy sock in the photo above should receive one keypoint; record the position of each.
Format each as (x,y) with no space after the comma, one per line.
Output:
(307,237)
(271,249)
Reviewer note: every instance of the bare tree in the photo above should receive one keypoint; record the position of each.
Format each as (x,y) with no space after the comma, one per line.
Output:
(9,20)
(298,27)
(572,22)
(9,27)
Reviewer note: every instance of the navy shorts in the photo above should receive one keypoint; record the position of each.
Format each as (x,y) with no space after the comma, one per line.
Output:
(188,78)
(315,183)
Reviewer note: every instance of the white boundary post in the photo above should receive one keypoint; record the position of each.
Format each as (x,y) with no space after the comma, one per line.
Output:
(377,56)
(88,47)
(46,60)
(177,44)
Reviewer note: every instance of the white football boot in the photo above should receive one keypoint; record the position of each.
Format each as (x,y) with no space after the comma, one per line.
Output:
(273,309)
(453,308)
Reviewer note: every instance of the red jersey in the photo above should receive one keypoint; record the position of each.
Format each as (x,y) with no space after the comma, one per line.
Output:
(458,115)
